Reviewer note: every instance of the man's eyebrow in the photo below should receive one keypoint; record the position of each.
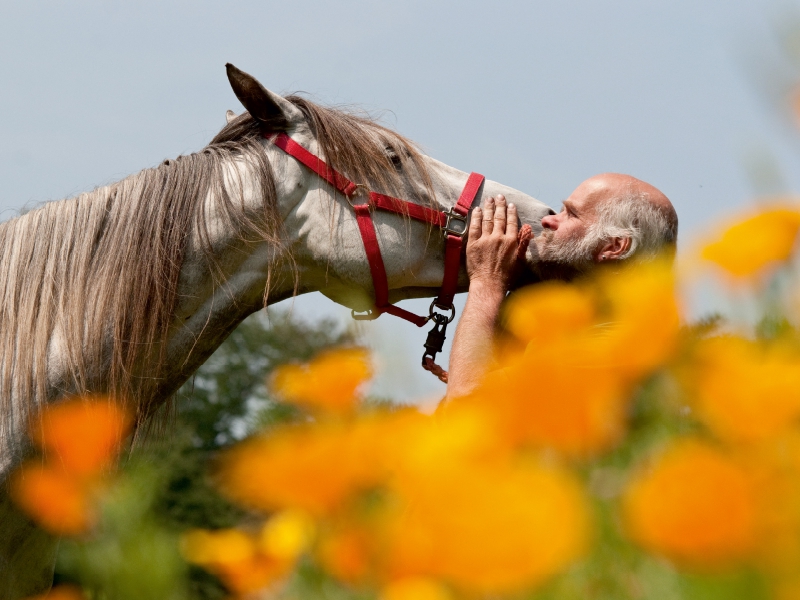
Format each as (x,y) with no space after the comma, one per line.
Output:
(567,204)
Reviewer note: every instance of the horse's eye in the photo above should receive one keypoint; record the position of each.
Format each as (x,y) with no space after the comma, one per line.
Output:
(394,157)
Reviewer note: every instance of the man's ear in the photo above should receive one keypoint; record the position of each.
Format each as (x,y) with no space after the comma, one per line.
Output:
(271,110)
(613,249)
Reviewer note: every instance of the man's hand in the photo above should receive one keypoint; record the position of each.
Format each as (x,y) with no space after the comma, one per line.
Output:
(495,245)
(494,250)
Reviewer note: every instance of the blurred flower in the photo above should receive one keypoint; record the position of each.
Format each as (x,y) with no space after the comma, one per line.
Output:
(752,244)
(547,310)
(235,557)
(488,528)
(745,391)
(643,318)
(345,550)
(311,468)
(415,588)
(562,403)
(329,382)
(695,506)
(587,348)
(83,435)
(53,498)
(775,467)
(786,588)
(61,592)
(287,534)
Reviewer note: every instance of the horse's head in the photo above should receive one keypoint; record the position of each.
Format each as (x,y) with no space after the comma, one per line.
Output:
(320,222)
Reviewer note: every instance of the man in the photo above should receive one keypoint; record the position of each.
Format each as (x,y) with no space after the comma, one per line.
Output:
(608,219)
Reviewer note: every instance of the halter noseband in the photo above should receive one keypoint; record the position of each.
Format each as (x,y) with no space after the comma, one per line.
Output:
(453,224)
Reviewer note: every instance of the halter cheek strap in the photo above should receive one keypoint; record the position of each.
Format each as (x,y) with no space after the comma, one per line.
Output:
(453,224)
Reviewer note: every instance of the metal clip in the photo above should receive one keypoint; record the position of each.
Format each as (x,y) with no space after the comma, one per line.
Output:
(369,315)
(436,336)
(456,224)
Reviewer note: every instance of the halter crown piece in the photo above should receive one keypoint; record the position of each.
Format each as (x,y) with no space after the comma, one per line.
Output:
(453,224)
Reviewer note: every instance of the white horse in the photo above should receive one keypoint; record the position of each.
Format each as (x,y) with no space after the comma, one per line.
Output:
(128,289)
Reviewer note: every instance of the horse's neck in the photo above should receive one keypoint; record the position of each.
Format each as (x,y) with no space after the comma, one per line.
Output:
(243,275)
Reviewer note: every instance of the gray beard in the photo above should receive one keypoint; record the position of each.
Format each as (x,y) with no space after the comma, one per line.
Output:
(564,260)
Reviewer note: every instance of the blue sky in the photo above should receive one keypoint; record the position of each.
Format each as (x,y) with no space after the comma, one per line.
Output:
(536,95)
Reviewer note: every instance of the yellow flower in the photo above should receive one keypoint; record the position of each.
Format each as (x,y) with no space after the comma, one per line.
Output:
(82,435)
(749,246)
(287,534)
(695,506)
(53,498)
(745,391)
(234,557)
(415,588)
(204,547)
(329,382)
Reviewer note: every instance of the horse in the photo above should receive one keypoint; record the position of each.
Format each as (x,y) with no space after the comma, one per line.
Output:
(126,290)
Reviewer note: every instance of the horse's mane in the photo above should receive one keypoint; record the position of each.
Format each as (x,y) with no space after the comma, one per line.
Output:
(103,268)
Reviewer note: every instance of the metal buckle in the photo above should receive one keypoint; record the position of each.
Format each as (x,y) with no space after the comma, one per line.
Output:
(460,227)
(369,315)
(361,189)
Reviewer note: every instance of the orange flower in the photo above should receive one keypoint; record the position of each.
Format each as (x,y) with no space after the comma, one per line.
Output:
(312,468)
(557,402)
(488,528)
(234,557)
(746,391)
(547,310)
(82,435)
(53,498)
(695,506)
(415,588)
(571,387)
(775,465)
(751,245)
(329,382)
(642,325)
(345,551)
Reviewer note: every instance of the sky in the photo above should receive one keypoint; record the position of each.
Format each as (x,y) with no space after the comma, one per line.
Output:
(536,95)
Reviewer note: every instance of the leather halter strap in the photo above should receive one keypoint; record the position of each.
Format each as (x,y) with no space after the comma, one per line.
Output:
(454,235)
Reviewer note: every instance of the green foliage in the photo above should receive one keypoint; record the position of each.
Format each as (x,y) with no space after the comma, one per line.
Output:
(166,488)
(131,556)
(220,401)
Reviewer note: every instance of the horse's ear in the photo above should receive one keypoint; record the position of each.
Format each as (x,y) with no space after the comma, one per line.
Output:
(273,111)
(229,116)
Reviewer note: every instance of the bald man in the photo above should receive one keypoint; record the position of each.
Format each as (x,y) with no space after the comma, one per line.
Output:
(609,219)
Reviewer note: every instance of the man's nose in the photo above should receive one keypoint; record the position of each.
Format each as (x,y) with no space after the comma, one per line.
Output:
(550,222)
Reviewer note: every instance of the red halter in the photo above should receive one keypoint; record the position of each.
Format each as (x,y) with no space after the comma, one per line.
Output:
(453,224)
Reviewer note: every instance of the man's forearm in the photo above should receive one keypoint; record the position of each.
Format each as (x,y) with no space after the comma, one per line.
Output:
(471,355)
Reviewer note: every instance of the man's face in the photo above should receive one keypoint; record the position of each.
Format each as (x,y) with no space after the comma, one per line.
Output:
(564,247)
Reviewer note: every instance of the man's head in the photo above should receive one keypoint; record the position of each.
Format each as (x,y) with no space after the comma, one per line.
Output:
(608,218)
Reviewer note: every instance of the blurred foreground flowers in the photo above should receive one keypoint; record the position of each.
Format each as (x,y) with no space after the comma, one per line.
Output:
(613,452)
